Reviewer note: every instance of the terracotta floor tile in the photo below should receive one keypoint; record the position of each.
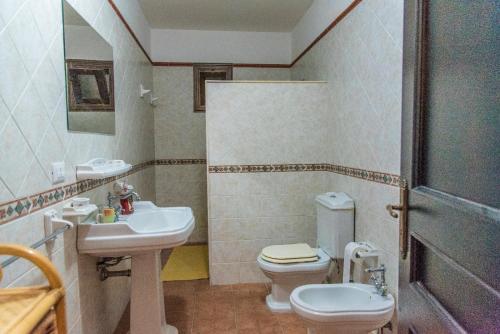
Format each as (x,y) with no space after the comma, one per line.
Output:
(247,325)
(289,319)
(224,324)
(246,321)
(178,299)
(204,312)
(248,331)
(201,285)
(203,325)
(294,330)
(174,316)
(196,307)
(184,327)
(230,331)
(275,329)
(250,290)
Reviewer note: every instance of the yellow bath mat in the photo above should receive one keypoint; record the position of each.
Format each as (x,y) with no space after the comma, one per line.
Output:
(186,263)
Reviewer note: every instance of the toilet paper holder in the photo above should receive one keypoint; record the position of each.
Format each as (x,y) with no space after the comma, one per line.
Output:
(367,254)
(367,250)
(357,252)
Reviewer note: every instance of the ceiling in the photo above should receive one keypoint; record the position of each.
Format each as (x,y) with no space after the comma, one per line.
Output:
(225,15)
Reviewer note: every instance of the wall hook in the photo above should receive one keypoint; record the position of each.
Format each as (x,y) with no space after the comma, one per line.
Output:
(143,91)
(153,100)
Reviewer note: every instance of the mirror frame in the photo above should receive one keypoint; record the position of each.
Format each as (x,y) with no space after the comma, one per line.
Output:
(98,68)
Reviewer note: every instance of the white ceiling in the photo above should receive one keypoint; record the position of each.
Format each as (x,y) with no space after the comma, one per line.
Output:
(226,15)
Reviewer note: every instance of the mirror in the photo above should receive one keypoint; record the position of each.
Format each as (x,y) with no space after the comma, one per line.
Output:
(89,76)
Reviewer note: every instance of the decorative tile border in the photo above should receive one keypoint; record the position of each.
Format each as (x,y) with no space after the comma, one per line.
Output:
(379,177)
(32,203)
(169,162)
(23,206)
(268,168)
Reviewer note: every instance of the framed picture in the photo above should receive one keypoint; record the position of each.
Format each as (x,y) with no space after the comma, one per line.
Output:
(90,85)
(203,72)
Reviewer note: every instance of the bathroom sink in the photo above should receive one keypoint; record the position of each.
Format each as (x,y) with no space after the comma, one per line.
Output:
(142,235)
(342,308)
(149,228)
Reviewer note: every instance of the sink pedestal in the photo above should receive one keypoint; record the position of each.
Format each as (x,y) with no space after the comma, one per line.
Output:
(147,306)
(142,235)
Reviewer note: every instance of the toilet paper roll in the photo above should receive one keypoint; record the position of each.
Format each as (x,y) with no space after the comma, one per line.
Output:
(350,255)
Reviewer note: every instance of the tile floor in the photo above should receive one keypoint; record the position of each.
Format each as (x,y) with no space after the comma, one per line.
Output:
(195,307)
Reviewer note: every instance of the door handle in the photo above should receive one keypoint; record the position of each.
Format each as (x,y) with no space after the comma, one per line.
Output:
(391,208)
(401,211)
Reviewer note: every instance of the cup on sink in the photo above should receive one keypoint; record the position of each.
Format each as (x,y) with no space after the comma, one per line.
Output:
(107,216)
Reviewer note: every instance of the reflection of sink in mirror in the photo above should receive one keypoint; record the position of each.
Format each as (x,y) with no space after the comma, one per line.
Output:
(89,76)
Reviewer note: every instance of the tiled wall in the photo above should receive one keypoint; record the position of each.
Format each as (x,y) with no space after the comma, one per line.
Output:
(249,211)
(180,134)
(33,134)
(361,61)
(361,58)
(262,123)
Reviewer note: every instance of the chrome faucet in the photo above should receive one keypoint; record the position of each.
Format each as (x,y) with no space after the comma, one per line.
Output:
(111,198)
(379,283)
(118,208)
(135,196)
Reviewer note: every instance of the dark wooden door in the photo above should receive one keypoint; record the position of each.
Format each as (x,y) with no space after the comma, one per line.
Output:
(450,278)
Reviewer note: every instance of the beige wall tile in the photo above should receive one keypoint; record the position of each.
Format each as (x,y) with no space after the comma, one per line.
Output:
(251,273)
(267,209)
(180,134)
(228,273)
(255,123)
(361,58)
(33,134)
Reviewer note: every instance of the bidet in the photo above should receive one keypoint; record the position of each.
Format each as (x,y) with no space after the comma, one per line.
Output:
(348,308)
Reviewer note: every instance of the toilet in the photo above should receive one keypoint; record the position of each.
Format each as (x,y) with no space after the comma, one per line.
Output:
(335,228)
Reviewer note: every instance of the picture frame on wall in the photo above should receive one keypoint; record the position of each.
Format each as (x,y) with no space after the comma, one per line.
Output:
(90,85)
(204,72)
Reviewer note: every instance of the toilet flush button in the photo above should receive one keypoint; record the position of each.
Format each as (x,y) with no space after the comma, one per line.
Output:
(58,174)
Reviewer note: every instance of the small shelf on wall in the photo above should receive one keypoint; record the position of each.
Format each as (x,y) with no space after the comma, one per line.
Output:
(100,168)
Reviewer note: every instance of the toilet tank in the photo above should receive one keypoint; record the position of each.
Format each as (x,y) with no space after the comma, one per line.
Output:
(335,222)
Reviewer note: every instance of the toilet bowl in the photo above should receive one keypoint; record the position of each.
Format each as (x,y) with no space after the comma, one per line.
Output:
(286,277)
(335,228)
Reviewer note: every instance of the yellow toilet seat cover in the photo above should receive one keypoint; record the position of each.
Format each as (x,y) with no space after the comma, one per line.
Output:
(294,253)
(301,260)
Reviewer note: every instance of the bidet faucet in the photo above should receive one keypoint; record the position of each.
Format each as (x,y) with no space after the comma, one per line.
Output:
(379,283)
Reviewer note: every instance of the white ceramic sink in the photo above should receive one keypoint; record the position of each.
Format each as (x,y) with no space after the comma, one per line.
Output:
(148,228)
(142,235)
(341,308)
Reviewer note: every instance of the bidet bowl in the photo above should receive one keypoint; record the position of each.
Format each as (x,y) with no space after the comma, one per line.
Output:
(341,308)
